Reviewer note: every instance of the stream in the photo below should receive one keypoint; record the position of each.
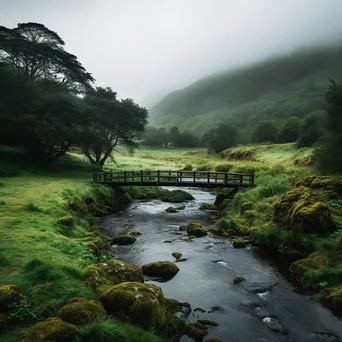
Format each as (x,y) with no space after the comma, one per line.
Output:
(266,307)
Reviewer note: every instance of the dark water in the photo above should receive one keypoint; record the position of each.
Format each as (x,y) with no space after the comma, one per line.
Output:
(264,308)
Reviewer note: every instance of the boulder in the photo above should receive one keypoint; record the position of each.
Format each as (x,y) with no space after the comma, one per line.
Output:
(80,311)
(332,298)
(303,211)
(53,329)
(176,196)
(135,233)
(177,255)
(165,270)
(207,206)
(123,240)
(171,210)
(196,331)
(208,322)
(112,272)
(9,294)
(239,243)
(195,229)
(141,304)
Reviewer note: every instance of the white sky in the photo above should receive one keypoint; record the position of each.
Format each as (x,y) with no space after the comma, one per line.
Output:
(145,48)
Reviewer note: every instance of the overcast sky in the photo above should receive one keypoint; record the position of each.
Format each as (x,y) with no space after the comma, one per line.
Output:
(144,48)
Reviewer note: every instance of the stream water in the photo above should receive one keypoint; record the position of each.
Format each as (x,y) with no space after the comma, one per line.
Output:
(265,307)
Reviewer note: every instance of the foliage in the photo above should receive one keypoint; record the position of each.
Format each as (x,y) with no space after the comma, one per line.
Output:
(311,128)
(289,131)
(264,131)
(174,136)
(220,138)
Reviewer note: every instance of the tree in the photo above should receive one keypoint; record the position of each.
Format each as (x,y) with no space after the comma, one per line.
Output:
(174,136)
(108,123)
(37,52)
(187,139)
(264,131)
(311,128)
(164,136)
(328,154)
(289,131)
(220,138)
(152,136)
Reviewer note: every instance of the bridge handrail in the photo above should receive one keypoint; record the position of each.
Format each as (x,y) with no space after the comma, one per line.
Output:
(177,176)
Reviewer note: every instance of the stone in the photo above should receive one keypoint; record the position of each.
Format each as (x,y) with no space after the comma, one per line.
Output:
(238,280)
(177,255)
(176,196)
(165,270)
(135,233)
(239,243)
(195,229)
(171,210)
(9,294)
(207,206)
(123,240)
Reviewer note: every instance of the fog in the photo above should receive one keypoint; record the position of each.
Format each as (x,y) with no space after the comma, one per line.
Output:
(145,48)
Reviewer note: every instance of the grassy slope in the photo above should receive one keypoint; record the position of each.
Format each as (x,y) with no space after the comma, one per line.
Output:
(275,89)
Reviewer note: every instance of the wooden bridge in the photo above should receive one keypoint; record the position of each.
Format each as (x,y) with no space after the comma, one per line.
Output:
(199,179)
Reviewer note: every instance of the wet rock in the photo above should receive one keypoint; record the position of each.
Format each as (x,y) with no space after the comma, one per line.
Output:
(165,270)
(239,243)
(208,322)
(332,298)
(178,233)
(143,304)
(123,240)
(9,294)
(176,196)
(195,229)
(182,228)
(303,211)
(175,306)
(167,241)
(325,336)
(196,331)
(80,311)
(199,310)
(53,329)
(111,272)
(182,259)
(238,280)
(274,325)
(216,309)
(177,255)
(171,210)
(207,206)
(135,233)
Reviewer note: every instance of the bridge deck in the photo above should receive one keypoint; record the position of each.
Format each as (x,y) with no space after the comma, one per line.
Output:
(175,178)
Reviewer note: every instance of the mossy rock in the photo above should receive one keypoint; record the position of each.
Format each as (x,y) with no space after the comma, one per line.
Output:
(171,210)
(182,228)
(246,206)
(177,255)
(219,199)
(238,280)
(332,298)
(80,311)
(303,211)
(196,331)
(53,329)
(135,233)
(213,339)
(9,294)
(239,243)
(123,240)
(141,304)
(332,184)
(165,270)
(208,322)
(174,306)
(207,206)
(313,262)
(112,272)
(195,229)
(66,221)
(176,196)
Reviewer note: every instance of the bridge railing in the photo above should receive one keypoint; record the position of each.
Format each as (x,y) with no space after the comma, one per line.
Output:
(146,177)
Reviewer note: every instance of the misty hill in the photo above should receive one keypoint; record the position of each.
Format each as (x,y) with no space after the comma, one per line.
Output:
(276,89)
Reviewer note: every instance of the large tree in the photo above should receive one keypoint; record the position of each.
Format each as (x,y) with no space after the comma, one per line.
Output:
(37,52)
(174,136)
(109,122)
(289,131)
(264,131)
(220,138)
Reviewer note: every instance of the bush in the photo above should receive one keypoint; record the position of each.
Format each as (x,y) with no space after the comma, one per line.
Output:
(224,167)
(289,131)
(66,221)
(187,167)
(264,131)
(311,128)
(32,207)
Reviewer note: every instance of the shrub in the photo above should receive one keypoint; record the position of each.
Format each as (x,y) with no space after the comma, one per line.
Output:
(66,221)
(187,167)
(32,207)
(311,128)
(224,167)
(289,131)
(264,131)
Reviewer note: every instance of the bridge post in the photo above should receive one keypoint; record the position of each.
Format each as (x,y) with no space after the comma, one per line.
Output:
(194,177)
(125,177)
(225,178)
(141,176)
(158,176)
(241,179)
(208,177)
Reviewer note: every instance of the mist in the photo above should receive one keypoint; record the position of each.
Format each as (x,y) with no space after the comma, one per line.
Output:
(146,48)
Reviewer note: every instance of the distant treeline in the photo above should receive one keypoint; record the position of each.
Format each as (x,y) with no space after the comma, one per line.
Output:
(48,103)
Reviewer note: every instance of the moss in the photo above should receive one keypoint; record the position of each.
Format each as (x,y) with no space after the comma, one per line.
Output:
(163,269)
(196,331)
(80,311)
(332,184)
(208,322)
(302,210)
(239,243)
(207,206)
(176,196)
(195,229)
(53,329)
(9,294)
(246,206)
(142,304)
(66,221)
(123,240)
(313,262)
(177,255)
(213,339)
(110,273)
(238,280)
(332,298)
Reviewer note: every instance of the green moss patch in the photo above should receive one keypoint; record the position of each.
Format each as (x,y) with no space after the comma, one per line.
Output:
(195,229)
(165,270)
(9,295)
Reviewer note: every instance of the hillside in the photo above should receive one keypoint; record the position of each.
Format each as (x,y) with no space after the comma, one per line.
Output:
(276,89)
